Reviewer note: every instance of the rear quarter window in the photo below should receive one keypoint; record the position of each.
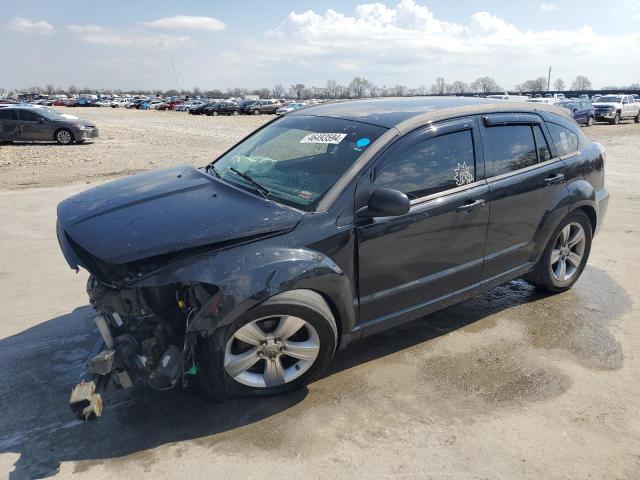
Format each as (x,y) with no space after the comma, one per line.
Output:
(565,140)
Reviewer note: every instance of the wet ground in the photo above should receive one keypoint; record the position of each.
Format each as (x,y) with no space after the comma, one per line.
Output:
(510,384)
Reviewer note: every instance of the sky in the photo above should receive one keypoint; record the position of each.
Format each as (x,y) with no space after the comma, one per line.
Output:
(252,44)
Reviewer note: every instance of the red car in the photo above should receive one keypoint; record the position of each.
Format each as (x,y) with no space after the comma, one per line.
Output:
(60,102)
(171,105)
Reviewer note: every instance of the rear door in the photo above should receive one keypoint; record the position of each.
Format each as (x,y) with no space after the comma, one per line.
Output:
(9,124)
(525,181)
(33,126)
(417,261)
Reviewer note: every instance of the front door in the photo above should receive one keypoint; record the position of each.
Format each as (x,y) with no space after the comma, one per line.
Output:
(411,264)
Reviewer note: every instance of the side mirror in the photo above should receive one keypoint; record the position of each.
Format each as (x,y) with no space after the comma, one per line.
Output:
(42,120)
(386,202)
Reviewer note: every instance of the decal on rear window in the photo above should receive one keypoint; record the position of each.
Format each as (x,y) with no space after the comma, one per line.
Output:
(334,138)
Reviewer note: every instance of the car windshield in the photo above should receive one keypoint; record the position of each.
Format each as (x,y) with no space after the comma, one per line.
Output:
(567,104)
(297,158)
(50,114)
(610,99)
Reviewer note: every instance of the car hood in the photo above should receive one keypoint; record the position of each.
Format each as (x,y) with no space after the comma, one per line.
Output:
(167,211)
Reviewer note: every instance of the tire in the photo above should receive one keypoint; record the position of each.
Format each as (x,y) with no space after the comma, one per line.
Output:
(214,113)
(217,354)
(637,118)
(616,119)
(64,136)
(589,122)
(235,112)
(548,274)
(256,112)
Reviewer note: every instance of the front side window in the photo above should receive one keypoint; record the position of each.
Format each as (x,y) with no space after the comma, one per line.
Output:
(296,159)
(512,148)
(431,166)
(565,140)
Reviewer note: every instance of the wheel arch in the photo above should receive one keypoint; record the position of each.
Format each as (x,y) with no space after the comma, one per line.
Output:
(256,278)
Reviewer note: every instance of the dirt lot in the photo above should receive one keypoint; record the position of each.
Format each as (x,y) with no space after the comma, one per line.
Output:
(130,141)
(512,384)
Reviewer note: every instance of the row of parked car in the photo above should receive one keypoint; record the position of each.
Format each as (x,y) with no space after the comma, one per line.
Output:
(606,108)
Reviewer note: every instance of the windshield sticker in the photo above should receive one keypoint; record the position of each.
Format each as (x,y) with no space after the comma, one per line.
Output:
(334,138)
(463,175)
(362,142)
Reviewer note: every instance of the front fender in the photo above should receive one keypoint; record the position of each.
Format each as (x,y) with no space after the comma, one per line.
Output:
(245,276)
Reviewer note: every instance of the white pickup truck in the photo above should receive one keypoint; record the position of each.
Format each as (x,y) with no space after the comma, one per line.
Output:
(613,108)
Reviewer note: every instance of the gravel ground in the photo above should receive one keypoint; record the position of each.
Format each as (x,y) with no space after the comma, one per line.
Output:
(512,384)
(130,141)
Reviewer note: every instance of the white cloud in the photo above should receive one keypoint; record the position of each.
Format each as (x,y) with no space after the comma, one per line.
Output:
(98,35)
(549,7)
(25,25)
(408,40)
(188,23)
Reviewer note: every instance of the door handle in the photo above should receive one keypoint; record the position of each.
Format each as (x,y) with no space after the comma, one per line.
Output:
(555,178)
(469,205)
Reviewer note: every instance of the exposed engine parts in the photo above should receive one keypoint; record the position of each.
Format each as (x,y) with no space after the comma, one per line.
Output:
(144,335)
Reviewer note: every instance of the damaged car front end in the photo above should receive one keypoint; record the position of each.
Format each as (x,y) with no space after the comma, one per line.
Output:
(147,239)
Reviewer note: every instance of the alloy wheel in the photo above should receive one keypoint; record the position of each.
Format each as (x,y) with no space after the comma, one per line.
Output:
(271,351)
(63,136)
(568,252)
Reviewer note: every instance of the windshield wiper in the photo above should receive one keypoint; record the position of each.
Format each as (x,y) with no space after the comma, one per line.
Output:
(259,188)
(211,168)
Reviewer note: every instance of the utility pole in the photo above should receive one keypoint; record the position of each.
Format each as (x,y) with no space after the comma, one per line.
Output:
(175,75)
(549,80)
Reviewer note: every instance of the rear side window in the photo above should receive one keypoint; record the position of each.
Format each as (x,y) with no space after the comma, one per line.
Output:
(431,166)
(28,116)
(542,146)
(512,148)
(8,114)
(565,140)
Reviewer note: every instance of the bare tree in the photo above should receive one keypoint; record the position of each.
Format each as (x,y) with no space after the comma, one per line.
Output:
(458,88)
(297,89)
(359,87)
(559,84)
(485,85)
(278,91)
(440,87)
(537,85)
(581,83)
(331,89)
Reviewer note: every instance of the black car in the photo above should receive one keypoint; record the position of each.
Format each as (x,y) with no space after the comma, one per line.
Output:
(223,108)
(322,227)
(200,110)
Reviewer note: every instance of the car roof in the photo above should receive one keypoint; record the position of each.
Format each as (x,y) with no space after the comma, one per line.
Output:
(407,112)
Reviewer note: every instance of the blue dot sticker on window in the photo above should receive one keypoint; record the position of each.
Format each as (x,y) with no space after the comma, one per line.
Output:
(363,142)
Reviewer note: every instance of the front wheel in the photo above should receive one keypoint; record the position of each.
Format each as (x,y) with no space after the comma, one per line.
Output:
(277,347)
(589,121)
(235,112)
(215,113)
(565,256)
(616,119)
(256,112)
(64,136)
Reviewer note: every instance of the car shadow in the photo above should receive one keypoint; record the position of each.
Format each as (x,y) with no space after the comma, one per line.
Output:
(41,364)
(50,143)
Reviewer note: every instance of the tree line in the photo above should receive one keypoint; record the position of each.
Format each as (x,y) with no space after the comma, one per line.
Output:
(359,87)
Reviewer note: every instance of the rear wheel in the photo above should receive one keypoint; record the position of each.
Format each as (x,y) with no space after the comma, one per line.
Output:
(565,256)
(235,112)
(277,347)
(637,118)
(64,136)
(215,113)
(256,112)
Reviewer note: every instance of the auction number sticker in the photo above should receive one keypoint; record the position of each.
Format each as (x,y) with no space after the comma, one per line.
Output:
(334,138)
